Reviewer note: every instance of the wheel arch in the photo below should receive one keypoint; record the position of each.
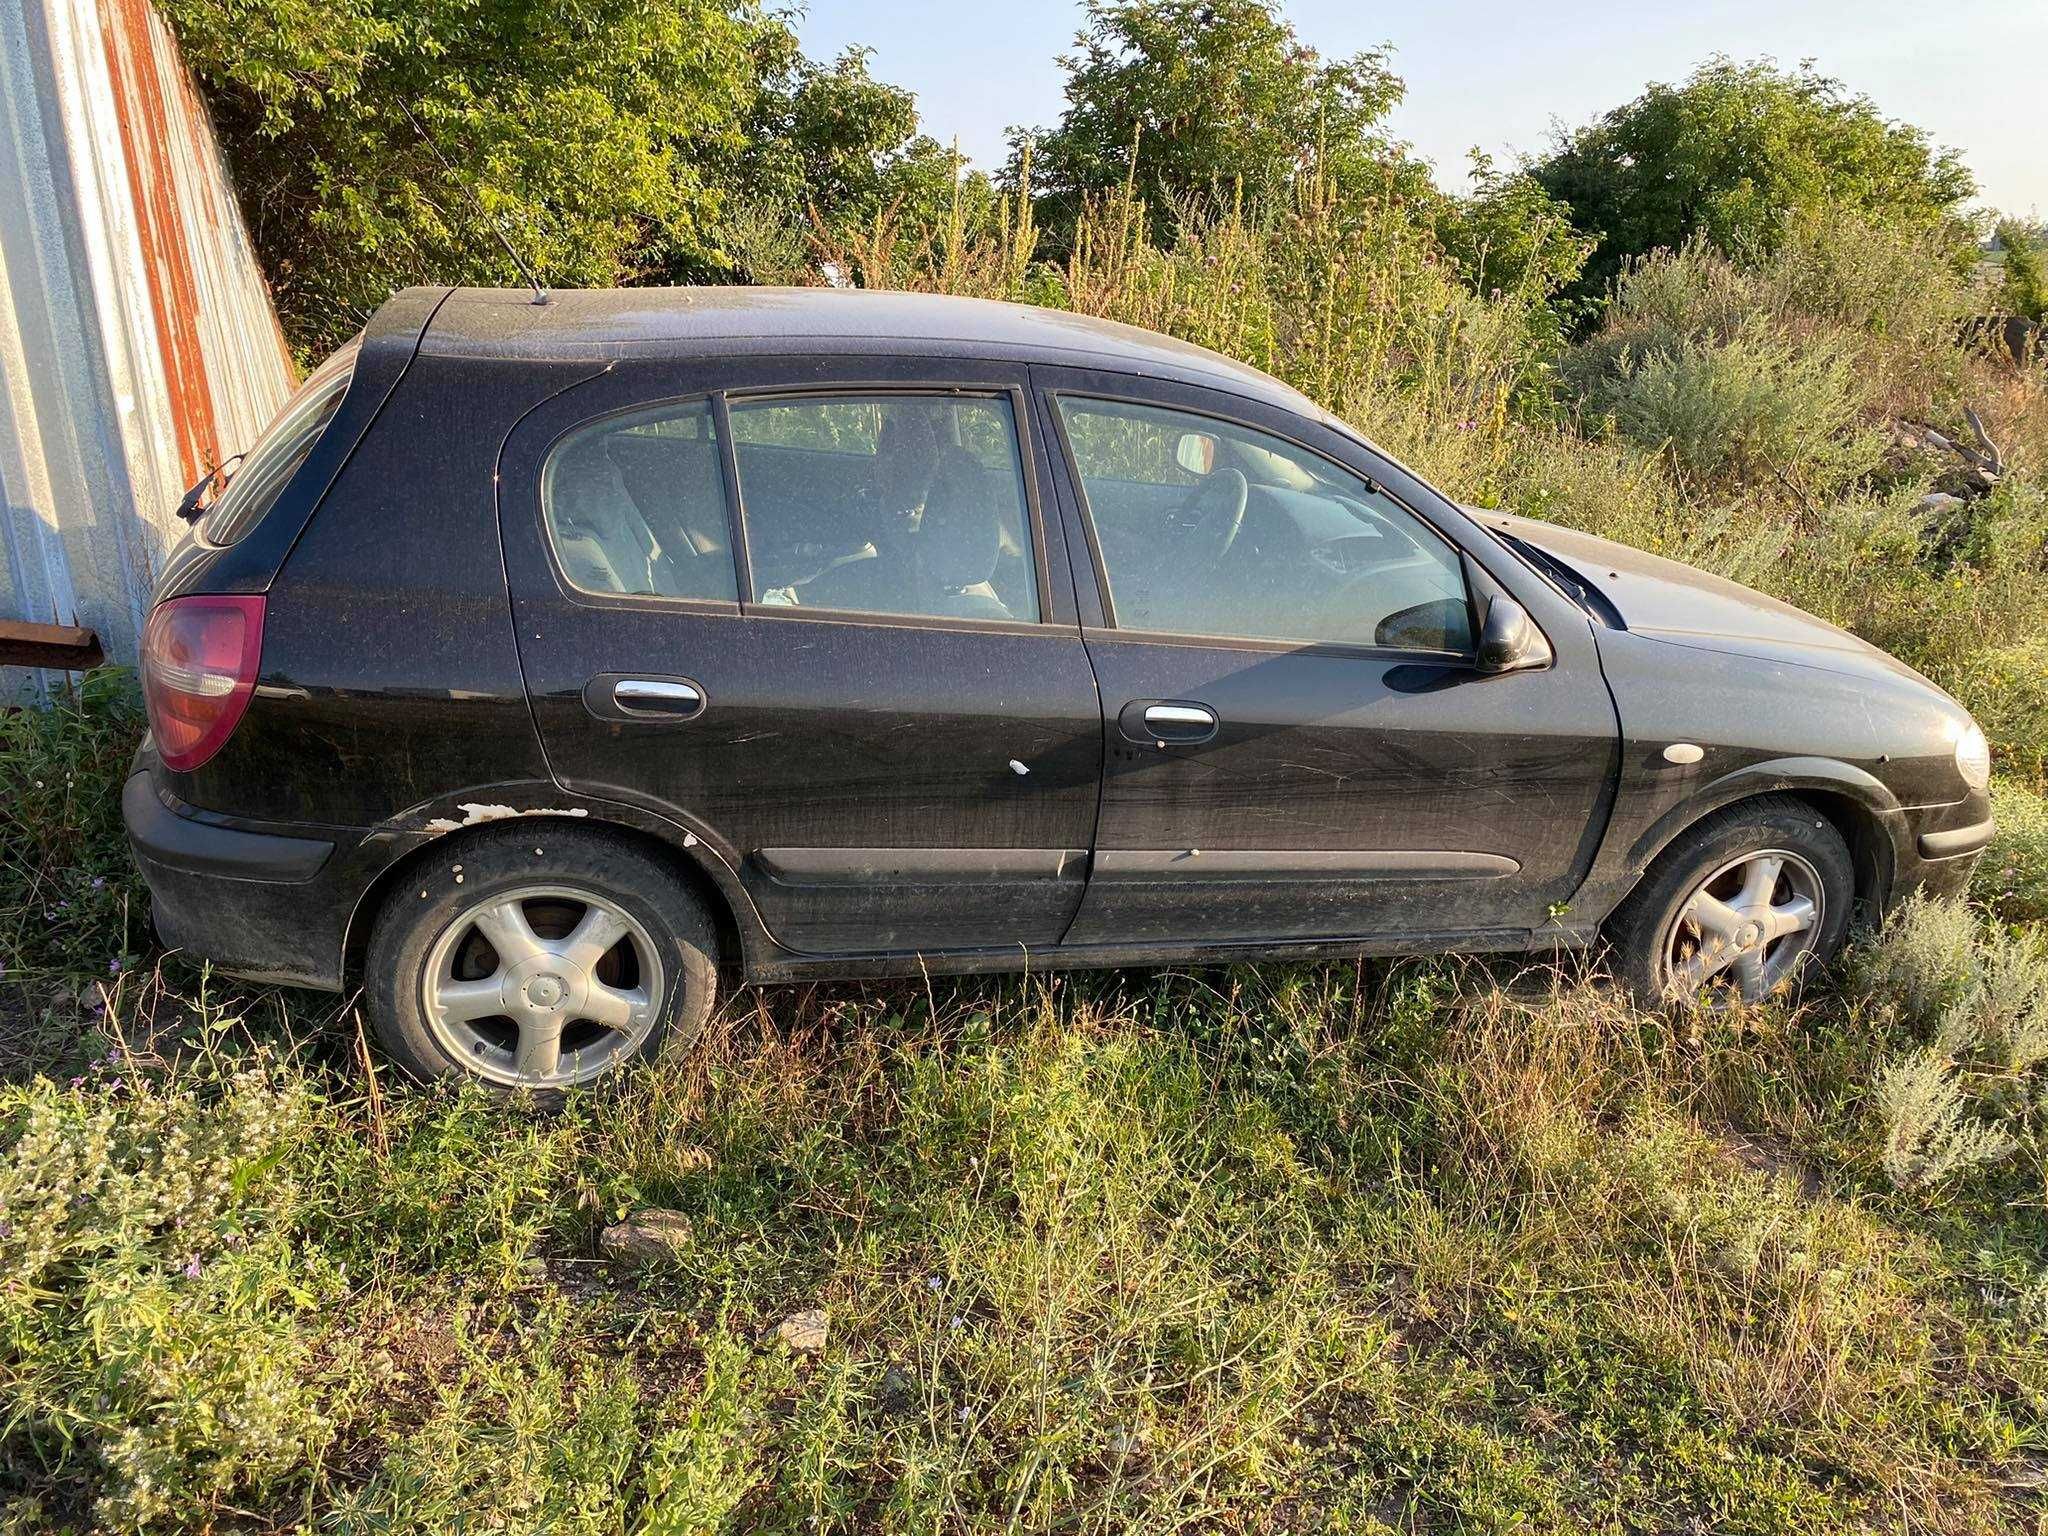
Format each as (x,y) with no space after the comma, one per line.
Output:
(711,878)
(1854,802)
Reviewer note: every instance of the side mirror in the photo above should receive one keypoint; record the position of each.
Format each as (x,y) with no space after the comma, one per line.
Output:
(1509,641)
(1195,452)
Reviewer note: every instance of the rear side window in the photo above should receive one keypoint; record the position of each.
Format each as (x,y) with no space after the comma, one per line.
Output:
(635,505)
(893,504)
(253,489)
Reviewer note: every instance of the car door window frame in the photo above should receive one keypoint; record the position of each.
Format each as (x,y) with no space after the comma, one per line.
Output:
(597,598)
(1476,580)
(1018,399)
(594,598)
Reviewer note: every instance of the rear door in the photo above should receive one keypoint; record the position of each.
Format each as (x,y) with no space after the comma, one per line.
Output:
(1299,745)
(807,610)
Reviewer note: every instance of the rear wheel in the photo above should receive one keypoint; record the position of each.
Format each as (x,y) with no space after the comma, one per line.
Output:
(539,959)
(1738,907)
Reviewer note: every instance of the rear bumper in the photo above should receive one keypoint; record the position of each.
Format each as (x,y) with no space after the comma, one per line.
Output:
(256,903)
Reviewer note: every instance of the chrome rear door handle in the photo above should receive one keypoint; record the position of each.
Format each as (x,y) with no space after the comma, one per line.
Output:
(657,697)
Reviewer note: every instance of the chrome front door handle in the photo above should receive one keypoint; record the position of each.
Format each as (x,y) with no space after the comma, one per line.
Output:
(1168,723)
(662,698)
(1175,719)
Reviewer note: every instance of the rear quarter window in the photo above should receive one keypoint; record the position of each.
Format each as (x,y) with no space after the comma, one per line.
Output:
(267,468)
(635,506)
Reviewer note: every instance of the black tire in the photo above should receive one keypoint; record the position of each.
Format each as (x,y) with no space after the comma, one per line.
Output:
(666,955)
(1643,928)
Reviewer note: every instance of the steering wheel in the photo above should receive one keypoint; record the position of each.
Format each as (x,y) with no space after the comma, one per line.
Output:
(1212,517)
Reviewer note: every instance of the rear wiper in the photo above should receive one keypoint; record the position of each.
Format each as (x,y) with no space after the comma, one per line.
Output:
(196,502)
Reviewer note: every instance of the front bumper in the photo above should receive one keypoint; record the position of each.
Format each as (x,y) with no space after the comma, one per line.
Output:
(256,903)
(1940,847)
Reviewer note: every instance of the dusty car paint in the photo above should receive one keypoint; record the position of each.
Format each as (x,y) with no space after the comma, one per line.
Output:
(864,795)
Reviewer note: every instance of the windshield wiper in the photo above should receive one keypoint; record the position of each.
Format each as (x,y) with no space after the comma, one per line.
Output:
(1565,579)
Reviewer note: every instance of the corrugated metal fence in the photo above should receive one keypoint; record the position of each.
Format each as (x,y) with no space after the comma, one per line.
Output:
(137,342)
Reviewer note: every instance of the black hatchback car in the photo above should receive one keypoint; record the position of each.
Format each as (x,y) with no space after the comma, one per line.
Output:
(544,659)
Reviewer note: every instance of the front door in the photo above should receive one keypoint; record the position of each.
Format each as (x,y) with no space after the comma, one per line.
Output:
(1298,743)
(814,621)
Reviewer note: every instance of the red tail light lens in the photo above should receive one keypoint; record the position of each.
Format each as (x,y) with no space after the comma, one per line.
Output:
(199,657)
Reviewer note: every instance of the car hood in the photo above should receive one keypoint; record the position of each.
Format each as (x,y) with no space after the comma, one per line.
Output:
(1685,606)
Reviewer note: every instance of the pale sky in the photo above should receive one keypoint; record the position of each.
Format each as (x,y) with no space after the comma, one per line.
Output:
(1498,75)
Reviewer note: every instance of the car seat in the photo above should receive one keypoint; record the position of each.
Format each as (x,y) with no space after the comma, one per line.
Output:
(604,543)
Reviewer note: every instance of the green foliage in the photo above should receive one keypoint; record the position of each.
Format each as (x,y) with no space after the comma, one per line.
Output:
(835,146)
(2023,288)
(150,1299)
(1509,236)
(1196,103)
(1726,155)
(1745,410)
(377,142)
(63,856)
(2012,879)
(1970,1099)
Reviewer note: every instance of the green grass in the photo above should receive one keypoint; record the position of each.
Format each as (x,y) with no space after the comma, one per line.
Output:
(1423,1247)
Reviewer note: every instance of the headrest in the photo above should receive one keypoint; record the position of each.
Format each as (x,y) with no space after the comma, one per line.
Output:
(960,538)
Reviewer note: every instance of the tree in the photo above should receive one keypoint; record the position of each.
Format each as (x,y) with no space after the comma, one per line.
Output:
(1510,236)
(835,144)
(1197,99)
(2024,288)
(377,142)
(1726,155)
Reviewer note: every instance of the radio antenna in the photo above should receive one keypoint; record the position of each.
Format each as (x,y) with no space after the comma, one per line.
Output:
(540,294)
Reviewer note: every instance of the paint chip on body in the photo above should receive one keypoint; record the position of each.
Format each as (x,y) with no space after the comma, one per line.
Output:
(475,814)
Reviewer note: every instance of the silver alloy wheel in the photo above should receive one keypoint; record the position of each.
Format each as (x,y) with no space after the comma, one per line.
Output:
(542,987)
(1749,925)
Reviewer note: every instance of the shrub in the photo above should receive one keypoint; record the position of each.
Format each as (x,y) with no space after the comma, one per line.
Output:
(1970,1096)
(149,1287)
(1746,411)
(2012,877)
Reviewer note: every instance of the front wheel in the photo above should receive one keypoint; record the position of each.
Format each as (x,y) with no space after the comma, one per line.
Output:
(539,959)
(1737,907)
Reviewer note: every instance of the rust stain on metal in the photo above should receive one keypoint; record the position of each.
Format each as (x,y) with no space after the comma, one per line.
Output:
(148,141)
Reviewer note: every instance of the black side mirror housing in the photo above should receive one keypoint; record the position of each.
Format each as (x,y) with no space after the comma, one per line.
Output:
(1509,641)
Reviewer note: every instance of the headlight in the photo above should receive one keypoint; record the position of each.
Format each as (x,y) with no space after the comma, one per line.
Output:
(1973,757)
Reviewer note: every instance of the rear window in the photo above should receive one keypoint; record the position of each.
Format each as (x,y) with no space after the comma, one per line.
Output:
(268,467)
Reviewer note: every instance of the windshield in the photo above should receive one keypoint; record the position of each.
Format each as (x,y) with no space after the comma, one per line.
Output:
(269,466)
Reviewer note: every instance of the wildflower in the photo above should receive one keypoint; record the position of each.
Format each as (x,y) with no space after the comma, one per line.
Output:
(99,882)
(78,1082)
(935,1282)
(192,1269)
(114,966)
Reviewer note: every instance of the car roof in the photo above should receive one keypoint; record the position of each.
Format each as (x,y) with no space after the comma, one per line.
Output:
(580,324)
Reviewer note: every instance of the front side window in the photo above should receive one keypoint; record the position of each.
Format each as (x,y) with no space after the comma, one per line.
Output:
(1209,528)
(892,504)
(286,444)
(635,505)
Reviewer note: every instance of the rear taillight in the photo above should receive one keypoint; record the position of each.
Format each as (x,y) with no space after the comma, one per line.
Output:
(199,657)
